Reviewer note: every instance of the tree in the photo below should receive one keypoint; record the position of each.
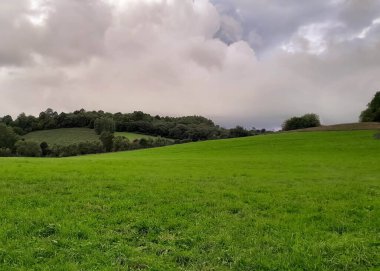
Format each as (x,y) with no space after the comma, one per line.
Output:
(120,143)
(44,149)
(239,131)
(8,137)
(48,119)
(104,125)
(5,152)
(372,113)
(28,148)
(306,121)
(107,140)
(7,120)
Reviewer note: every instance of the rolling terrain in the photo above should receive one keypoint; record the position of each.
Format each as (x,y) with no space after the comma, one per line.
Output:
(67,136)
(345,127)
(290,201)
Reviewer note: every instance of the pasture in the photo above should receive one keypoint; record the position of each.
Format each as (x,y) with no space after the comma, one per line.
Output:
(291,201)
(68,136)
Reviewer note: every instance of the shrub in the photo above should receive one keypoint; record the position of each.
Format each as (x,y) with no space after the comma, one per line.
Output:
(306,121)
(90,147)
(5,152)
(120,143)
(28,148)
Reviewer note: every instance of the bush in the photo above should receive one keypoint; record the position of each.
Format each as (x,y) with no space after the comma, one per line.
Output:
(28,148)
(120,143)
(306,121)
(90,147)
(5,152)
(239,131)
(76,149)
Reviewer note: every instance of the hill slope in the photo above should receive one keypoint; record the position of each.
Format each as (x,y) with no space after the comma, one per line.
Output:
(64,136)
(292,201)
(345,127)
(67,136)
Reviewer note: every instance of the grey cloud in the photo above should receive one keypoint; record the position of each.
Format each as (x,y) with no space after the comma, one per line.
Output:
(268,24)
(164,57)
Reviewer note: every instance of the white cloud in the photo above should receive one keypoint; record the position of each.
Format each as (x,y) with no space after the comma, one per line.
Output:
(165,57)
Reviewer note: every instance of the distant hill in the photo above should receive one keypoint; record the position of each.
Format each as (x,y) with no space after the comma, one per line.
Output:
(67,136)
(344,127)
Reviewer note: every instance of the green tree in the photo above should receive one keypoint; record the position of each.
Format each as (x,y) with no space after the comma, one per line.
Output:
(44,149)
(120,143)
(306,121)
(7,120)
(104,125)
(8,137)
(28,148)
(372,113)
(107,140)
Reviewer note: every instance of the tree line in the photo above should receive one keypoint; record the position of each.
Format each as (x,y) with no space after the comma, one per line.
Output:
(167,130)
(189,128)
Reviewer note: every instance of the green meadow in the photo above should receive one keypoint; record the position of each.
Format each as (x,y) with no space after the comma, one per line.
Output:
(289,201)
(68,136)
(133,136)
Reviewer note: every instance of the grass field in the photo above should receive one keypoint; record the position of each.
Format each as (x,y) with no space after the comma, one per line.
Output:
(345,127)
(133,136)
(291,201)
(67,136)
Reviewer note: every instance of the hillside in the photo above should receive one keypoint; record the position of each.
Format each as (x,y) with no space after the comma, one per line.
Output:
(133,136)
(290,201)
(345,127)
(67,136)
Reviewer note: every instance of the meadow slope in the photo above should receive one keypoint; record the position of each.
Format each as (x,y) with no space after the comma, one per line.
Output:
(67,136)
(292,201)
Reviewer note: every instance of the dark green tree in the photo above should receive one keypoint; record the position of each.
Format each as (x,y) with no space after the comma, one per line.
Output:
(120,143)
(28,148)
(107,140)
(372,113)
(104,125)
(239,131)
(306,121)
(7,120)
(8,137)
(45,151)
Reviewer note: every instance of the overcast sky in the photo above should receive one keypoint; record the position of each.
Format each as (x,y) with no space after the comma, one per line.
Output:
(248,62)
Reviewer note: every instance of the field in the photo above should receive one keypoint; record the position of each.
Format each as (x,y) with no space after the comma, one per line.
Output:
(133,136)
(291,201)
(67,136)
(345,127)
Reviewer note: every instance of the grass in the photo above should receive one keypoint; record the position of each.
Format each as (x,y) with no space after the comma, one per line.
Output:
(292,201)
(64,136)
(345,127)
(67,136)
(133,136)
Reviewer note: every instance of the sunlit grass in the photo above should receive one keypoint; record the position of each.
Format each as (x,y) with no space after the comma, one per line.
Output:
(294,201)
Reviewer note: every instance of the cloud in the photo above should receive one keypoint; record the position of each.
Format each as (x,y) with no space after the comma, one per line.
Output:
(251,66)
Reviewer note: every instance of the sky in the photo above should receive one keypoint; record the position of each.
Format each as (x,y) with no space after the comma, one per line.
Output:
(239,62)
